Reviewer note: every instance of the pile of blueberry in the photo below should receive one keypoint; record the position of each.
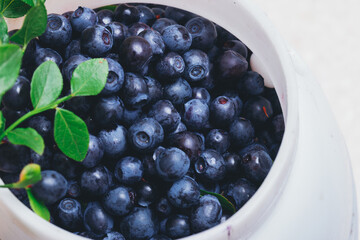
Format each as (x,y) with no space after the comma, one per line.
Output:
(181,111)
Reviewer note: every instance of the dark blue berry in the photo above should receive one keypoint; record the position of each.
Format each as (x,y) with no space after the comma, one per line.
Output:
(270,94)
(13,157)
(96,181)
(114,142)
(237,46)
(97,220)
(155,89)
(18,96)
(162,23)
(197,65)
(108,112)
(163,207)
(184,193)
(131,115)
(135,92)
(178,92)
(222,111)
(115,78)
(69,214)
(178,226)
(127,14)
(159,12)
(140,224)
(172,164)
(203,33)
(146,14)
(165,113)
(58,31)
(47,54)
(114,236)
(66,166)
(206,215)
(94,154)
(145,135)
(218,139)
(258,110)
(12,115)
(43,160)
(81,106)
(51,188)
(145,194)
(232,162)
(105,16)
(74,189)
(119,32)
(82,18)
(170,67)
(210,186)
(232,94)
(196,114)
(231,65)
(74,48)
(129,170)
(70,65)
(178,15)
(96,41)
(181,127)
(202,94)
(154,38)
(118,201)
(160,237)
(187,141)
(242,132)
(211,165)
(251,84)
(278,126)
(137,28)
(240,192)
(176,38)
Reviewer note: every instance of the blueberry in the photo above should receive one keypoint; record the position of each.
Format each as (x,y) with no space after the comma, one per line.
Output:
(202,94)
(163,207)
(197,65)
(114,142)
(232,162)
(240,192)
(242,132)
(232,94)
(203,33)
(105,16)
(47,54)
(119,32)
(74,48)
(172,164)
(160,237)
(146,14)
(58,31)
(223,35)
(258,110)
(114,236)
(66,166)
(208,82)
(206,215)
(162,226)
(115,78)
(95,181)
(145,194)
(96,41)
(222,111)
(237,46)
(51,188)
(109,111)
(270,94)
(74,189)
(176,38)
(81,106)
(139,224)
(278,126)
(210,186)
(211,166)
(135,53)
(178,92)
(43,160)
(131,115)
(178,226)
(187,141)
(162,23)
(155,89)
(118,201)
(67,15)
(154,38)
(97,220)
(12,115)
(135,92)
(18,96)
(13,157)
(170,67)
(178,15)
(70,65)
(231,65)
(218,139)
(82,18)
(256,164)
(137,28)
(145,135)
(196,114)
(94,154)
(159,12)
(129,170)
(273,150)
(184,193)
(69,214)
(251,84)
(127,14)
(164,112)
(181,127)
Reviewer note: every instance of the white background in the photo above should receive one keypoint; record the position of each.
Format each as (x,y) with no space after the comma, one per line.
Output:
(326,34)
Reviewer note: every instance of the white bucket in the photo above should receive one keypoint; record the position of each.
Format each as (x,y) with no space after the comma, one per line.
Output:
(309,192)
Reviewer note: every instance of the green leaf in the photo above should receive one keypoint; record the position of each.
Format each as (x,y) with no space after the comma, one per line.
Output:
(46,84)
(10,62)
(34,25)
(4,37)
(2,123)
(109,7)
(13,8)
(37,206)
(225,203)
(89,78)
(71,134)
(29,175)
(28,137)
(30,2)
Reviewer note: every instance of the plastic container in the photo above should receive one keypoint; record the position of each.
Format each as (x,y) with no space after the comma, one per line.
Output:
(309,192)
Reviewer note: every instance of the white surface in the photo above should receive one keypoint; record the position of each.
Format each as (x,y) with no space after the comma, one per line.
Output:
(326,34)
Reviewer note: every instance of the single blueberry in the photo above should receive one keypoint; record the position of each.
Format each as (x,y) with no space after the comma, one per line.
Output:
(176,38)
(44,160)
(129,170)
(69,214)
(231,65)
(74,189)
(105,16)
(114,142)
(58,32)
(163,207)
(127,14)
(135,92)
(18,96)
(137,28)
(47,54)
(119,201)
(178,226)
(170,67)
(218,139)
(165,113)
(131,115)
(250,84)
(202,94)
(73,48)
(232,162)
(211,166)
(94,154)
(154,38)
(155,89)
(184,193)
(13,157)
(108,112)
(119,32)
(187,141)
(82,18)
(145,194)
(278,126)
(203,33)
(178,92)
(97,220)
(234,96)
(96,41)
(258,110)
(115,78)
(159,12)
(237,46)
(241,132)
(222,111)
(66,166)
(146,14)
(196,114)
(95,181)
(178,15)
(162,23)
(197,65)
(240,192)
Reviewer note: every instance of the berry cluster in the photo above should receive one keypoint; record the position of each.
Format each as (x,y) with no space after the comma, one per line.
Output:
(181,112)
